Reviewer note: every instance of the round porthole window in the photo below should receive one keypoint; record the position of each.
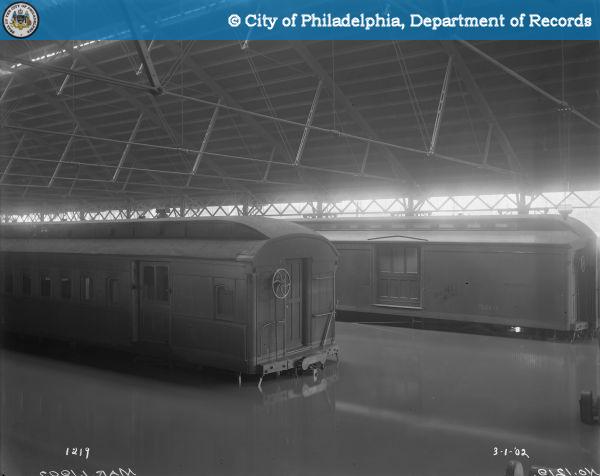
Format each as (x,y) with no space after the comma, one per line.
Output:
(281,283)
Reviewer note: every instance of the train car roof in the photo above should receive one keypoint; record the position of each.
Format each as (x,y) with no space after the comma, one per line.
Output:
(238,238)
(533,230)
(223,228)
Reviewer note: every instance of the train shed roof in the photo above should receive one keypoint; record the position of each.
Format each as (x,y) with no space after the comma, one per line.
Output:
(268,122)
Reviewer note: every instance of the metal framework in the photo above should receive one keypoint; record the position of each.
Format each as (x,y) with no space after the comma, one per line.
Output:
(341,137)
(508,203)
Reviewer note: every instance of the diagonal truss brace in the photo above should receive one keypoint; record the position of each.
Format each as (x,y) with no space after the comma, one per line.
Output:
(127,147)
(440,109)
(6,88)
(365,158)
(141,66)
(144,55)
(209,130)
(62,158)
(309,121)
(11,160)
(66,80)
(517,76)
(475,91)
(398,169)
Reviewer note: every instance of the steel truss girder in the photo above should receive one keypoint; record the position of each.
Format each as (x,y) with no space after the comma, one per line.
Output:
(195,151)
(475,91)
(154,113)
(387,146)
(507,203)
(144,55)
(309,120)
(528,83)
(441,107)
(228,100)
(127,148)
(62,159)
(399,170)
(12,158)
(204,144)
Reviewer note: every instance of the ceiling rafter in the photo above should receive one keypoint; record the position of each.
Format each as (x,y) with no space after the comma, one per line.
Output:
(399,170)
(103,85)
(475,91)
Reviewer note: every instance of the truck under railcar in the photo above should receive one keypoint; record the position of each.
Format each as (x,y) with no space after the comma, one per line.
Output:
(517,271)
(251,295)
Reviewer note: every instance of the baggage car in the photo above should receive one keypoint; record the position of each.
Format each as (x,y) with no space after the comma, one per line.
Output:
(252,295)
(536,271)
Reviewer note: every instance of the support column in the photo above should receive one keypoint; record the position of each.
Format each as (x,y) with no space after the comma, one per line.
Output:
(522,205)
(410,207)
(320,209)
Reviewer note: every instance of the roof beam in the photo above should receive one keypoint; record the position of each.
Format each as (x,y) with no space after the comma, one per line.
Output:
(155,116)
(365,158)
(268,168)
(251,116)
(82,125)
(441,107)
(158,117)
(6,88)
(209,130)
(400,171)
(309,120)
(475,91)
(141,66)
(127,147)
(166,79)
(63,156)
(154,113)
(144,55)
(12,158)
(66,80)
(78,73)
(528,83)
(250,159)
(228,100)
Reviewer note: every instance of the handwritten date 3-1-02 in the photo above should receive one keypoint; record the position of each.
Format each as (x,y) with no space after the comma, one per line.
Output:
(514,451)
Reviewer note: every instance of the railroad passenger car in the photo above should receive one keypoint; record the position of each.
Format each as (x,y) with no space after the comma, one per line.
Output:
(252,295)
(519,271)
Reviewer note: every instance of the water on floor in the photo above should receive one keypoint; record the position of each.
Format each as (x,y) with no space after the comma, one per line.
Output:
(401,402)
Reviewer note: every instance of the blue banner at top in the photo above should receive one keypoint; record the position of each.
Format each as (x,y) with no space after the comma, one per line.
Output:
(301,20)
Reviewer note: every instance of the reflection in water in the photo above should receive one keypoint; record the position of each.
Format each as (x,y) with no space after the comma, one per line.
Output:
(400,402)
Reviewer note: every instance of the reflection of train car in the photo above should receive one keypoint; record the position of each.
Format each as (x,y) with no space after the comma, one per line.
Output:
(525,271)
(444,395)
(175,423)
(252,295)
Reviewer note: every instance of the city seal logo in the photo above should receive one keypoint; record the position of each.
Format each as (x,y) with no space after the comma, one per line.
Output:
(20,20)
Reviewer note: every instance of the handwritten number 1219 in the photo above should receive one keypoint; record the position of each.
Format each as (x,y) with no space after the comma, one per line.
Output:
(78,452)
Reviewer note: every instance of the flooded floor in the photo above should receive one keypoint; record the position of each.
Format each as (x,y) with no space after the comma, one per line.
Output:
(400,402)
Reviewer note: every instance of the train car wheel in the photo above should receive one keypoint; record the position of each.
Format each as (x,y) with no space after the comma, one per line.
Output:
(514,468)
(586,408)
